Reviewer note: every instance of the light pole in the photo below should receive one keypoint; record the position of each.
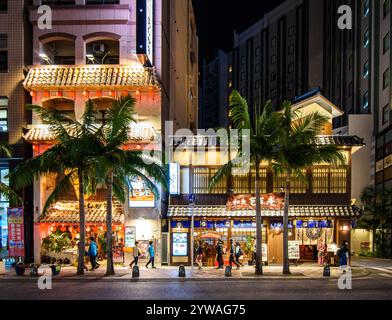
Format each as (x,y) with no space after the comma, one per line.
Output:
(192,206)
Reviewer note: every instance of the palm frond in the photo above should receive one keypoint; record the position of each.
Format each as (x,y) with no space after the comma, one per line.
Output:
(5,150)
(10,194)
(239,112)
(223,172)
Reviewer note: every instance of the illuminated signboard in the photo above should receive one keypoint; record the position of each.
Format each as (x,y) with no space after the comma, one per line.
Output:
(145,31)
(246,202)
(174,173)
(140,196)
(130,237)
(180,244)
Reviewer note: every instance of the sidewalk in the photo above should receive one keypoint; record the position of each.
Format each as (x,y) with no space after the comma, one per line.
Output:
(307,271)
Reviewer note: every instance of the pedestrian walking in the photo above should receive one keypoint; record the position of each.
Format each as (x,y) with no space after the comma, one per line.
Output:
(93,253)
(219,256)
(343,255)
(232,254)
(199,258)
(151,253)
(136,254)
(321,252)
(238,254)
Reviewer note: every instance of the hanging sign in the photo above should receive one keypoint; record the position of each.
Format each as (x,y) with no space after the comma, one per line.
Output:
(248,202)
(16,232)
(174,174)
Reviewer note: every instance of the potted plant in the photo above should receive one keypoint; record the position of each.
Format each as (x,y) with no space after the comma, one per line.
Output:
(20,269)
(249,248)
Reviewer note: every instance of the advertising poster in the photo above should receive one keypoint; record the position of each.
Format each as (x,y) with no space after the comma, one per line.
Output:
(130,237)
(16,232)
(264,252)
(294,250)
(140,196)
(180,244)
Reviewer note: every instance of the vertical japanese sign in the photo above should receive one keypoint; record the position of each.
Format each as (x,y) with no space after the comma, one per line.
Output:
(16,232)
(145,31)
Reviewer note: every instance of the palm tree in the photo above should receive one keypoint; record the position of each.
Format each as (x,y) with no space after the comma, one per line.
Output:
(114,165)
(7,192)
(377,214)
(296,150)
(69,159)
(262,139)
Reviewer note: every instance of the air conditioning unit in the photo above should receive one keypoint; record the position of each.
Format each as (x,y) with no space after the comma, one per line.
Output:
(99,48)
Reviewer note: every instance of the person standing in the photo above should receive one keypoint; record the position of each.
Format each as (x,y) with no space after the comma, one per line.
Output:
(238,254)
(151,253)
(219,257)
(93,253)
(232,254)
(136,254)
(199,258)
(321,252)
(343,255)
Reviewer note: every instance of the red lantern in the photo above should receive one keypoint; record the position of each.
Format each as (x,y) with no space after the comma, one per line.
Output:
(63,229)
(53,229)
(71,229)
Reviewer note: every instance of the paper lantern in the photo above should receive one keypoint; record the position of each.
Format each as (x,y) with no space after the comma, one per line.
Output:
(88,229)
(53,229)
(71,229)
(63,229)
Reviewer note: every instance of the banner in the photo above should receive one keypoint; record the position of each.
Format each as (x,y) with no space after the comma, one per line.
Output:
(16,232)
(130,237)
(140,196)
(294,250)
(248,202)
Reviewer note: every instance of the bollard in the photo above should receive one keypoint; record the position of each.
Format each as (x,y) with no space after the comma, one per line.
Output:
(228,271)
(33,270)
(20,269)
(327,271)
(181,272)
(135,272)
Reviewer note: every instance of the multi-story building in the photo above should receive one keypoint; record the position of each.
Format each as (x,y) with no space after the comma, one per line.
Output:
(216,86)
(320,208)
(101,50)
(15,49)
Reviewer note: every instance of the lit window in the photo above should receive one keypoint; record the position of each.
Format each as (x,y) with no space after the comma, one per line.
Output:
(3,114)
(366,8)
(366,69)
(230,69)
(366,39)
(365,100)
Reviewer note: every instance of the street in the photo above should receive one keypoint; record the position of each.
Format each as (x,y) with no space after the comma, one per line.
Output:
(369,288)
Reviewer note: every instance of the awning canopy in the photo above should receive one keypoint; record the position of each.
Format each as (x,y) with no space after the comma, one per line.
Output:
(294,211)
(102,77)
(137,133)
(67,212)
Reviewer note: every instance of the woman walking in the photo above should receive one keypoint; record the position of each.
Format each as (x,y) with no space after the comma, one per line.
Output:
(322,249)
(136,255)
(199,258)
(238,254)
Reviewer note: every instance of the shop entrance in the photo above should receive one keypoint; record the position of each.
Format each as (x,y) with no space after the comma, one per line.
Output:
(275,246)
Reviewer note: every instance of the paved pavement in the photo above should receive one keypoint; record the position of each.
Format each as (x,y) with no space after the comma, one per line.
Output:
(310,271)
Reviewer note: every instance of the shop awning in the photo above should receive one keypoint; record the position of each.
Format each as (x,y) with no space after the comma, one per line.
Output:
(137,132)
(102,77)
(67,212)
(295,211)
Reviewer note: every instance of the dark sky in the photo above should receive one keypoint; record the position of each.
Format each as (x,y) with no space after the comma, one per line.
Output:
(217,20)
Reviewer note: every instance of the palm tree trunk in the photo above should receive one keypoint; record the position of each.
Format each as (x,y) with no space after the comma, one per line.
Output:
(109,232)
(82,225)
(259,258)
(286,262)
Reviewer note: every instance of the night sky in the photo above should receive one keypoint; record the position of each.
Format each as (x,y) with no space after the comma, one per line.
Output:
(217,20)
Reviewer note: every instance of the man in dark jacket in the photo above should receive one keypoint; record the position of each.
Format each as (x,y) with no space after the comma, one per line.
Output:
(232,254)
(219,251)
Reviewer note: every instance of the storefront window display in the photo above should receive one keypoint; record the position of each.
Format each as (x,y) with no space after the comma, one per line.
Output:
(4,204)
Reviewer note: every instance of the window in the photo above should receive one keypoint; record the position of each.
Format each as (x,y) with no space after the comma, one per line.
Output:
(102,1)
(257,68)
(350,62)
(273,59)
(366,8)
(201,180)
(365,100)
(366,39)
(273,76)
(291,68)
(4,204)
(385,79)
(273,42)
(3,5)
(3,53)
(366,69)
(385,114)
(298,184)
(245,183)
(387,42)
(3,114)
(350,89)
(291,49)
(291,31)
(329,180)
(257,52)
(387,6)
